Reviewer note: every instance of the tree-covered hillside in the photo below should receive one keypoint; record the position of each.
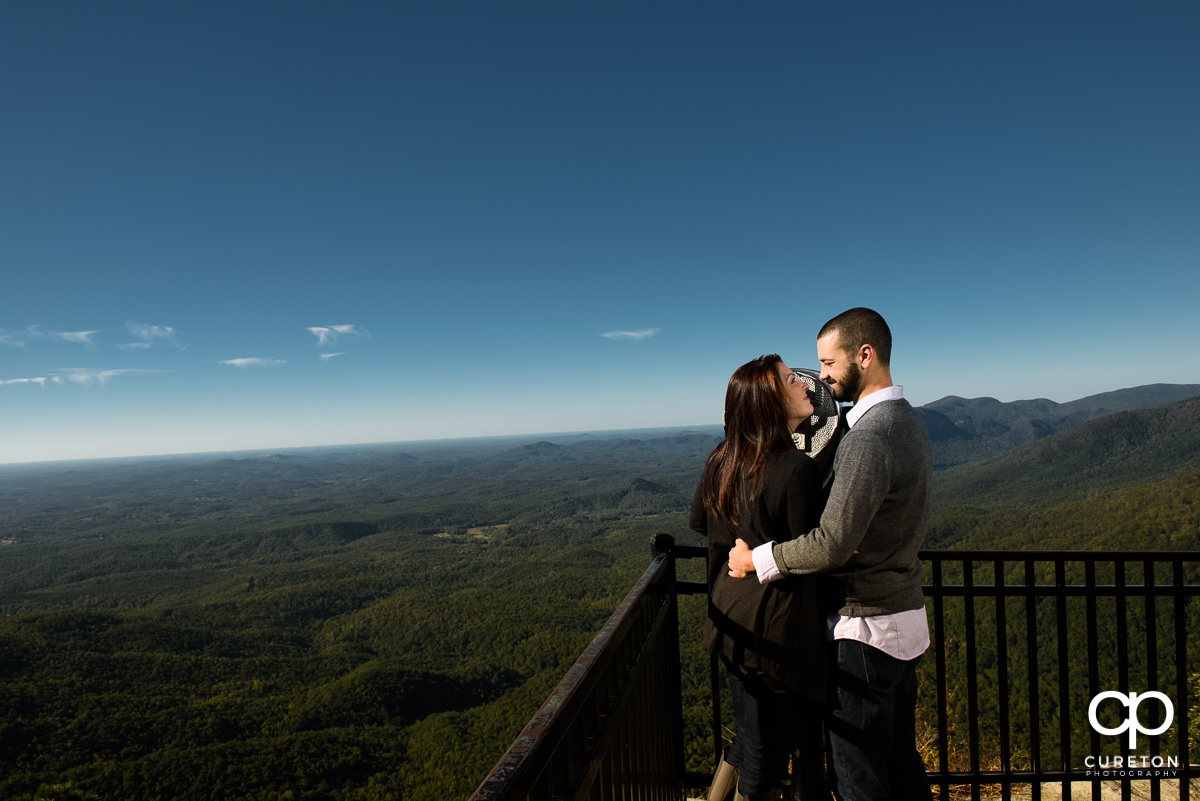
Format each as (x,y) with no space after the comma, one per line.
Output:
(1122,450)
(318,627)
(964,431)
(379,623)
(1163,515)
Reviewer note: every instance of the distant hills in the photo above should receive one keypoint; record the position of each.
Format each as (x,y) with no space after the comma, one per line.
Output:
(969,430)
(696,441)
(1108,453)
(1030,473)
(1127,480)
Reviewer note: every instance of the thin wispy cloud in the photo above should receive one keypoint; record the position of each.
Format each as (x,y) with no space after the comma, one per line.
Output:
(83,376)
(644,333)
(34,333)
(329,334)
(147,336)
(88,375)
(254,362)
(327,356)
(82,337)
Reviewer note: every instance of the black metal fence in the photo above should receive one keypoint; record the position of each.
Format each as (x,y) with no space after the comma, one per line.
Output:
(1045,663)
(1042,665)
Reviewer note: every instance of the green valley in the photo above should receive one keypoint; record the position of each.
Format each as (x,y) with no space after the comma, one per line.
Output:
(379,622)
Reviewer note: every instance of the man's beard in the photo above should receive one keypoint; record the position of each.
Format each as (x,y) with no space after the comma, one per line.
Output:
(846,388)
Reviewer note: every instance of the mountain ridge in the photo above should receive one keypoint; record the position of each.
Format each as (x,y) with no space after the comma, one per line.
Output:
(1117,451)
(967,430)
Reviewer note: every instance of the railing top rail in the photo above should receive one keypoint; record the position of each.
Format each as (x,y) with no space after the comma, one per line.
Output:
(513,769)
(1058,556)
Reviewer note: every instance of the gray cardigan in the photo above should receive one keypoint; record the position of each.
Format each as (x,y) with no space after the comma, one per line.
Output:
(876,517)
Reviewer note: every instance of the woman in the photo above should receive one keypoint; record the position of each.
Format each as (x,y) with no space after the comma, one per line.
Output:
(758,487)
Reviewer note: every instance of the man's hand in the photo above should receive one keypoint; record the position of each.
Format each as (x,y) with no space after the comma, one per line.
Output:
(741,560)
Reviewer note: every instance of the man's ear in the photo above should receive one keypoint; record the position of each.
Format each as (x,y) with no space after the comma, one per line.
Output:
(866,356)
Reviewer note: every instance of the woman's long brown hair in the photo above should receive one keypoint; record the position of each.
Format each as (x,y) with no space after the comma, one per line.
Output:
(755,425)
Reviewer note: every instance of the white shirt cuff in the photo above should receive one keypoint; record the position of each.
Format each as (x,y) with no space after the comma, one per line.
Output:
(764,563)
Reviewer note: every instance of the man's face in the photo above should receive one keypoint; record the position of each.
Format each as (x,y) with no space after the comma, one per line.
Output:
(838,368)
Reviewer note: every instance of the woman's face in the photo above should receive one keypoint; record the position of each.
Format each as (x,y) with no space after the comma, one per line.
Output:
(799,406)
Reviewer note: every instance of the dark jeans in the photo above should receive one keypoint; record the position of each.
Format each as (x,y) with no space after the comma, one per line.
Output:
(765,711)
(872,726)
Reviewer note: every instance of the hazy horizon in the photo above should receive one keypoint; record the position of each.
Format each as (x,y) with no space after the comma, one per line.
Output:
(434,442)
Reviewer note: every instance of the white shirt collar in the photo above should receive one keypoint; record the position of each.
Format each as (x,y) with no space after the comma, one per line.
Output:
(894,392)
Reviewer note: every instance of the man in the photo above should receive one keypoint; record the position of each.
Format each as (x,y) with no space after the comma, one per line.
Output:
(867,542)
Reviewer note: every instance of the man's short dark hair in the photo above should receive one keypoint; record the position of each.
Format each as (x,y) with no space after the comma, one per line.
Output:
(857,327)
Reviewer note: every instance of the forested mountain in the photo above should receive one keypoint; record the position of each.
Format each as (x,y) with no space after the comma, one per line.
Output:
(1127,480)
(965,431)
(379,622)
(1121,450)
(1162,515)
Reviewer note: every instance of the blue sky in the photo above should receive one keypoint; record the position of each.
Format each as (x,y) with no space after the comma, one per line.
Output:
(246,225)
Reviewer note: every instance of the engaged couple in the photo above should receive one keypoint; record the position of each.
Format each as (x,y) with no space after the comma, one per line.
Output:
(815,601)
